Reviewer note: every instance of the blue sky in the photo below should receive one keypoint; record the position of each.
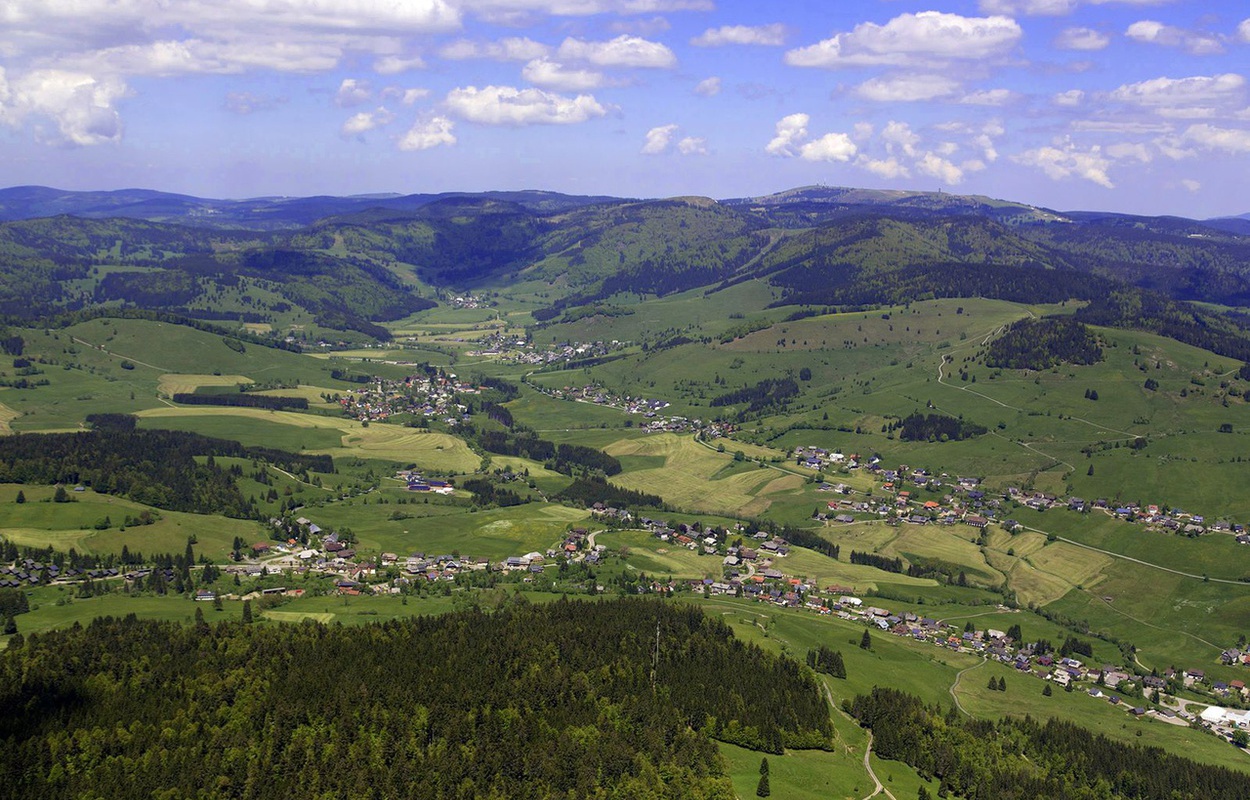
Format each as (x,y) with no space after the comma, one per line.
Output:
(1129,105)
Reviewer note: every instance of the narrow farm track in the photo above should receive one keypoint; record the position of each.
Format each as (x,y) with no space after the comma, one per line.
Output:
(955,685)
(878,786)
(102,349)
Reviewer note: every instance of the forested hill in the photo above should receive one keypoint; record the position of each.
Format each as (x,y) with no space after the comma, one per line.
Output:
(529,702)
(1025,758)
(363,262)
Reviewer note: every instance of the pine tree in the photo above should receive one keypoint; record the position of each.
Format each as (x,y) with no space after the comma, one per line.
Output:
(1046,690)
(21,496)
(247,612)
(865,642)
(762,790)
(764,766)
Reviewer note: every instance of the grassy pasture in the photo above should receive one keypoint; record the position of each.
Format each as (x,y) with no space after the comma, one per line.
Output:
(690,477)
(171,383)
(41,523)
(335,436)
(439,528)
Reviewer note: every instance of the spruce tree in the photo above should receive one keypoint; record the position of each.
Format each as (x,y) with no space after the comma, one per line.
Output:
(247,612)
(21,496)
(865,642)
(761,789)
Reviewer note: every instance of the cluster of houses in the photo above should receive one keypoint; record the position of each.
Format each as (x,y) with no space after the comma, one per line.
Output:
(433,396)
(27,572)
(966,501)
(514,349)
(468,301)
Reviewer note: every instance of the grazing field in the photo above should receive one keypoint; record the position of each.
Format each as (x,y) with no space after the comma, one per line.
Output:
(335,436)
(691,476)
(171,383)
(38,522)
(443,528)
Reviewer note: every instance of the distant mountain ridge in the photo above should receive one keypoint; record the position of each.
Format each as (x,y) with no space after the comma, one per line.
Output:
(798,207)
(259,213)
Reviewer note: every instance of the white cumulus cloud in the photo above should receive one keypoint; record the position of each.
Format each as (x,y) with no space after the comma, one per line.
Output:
(899,136)
(352,92)
(507,105)
(791,131)
(708,87)
(888,168)
(770,35)
(1066,161)
(365,121)
(393,64)
(623,51)
(1230,140)
(1086,39)
(936,166)
(907,88)
(433,132)
(830,147)
(81,107)
(989,97)
(553,75)
(1152,32)
(512,48)
(1072,97)
(658,139)
(692,146)
(926,38)
(1031,8)
(1198,90)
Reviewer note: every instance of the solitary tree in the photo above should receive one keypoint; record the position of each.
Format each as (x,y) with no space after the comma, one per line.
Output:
(247,612)
(865,641)
(761,789)
(21,496)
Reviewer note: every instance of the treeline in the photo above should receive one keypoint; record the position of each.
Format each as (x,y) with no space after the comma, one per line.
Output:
(590,489)
(487,493)
(881,562)
(154,467)
(826,661)
(564,458)
(241,399)
(65,320)
(1110,303)
(1025,758)
(768,393)
(1043,343)
(919,427)
(1149,311)
(456,705)
(847,286)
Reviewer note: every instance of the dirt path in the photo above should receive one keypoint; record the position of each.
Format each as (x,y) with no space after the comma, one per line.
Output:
(955,685)
(878,787)
(100,347)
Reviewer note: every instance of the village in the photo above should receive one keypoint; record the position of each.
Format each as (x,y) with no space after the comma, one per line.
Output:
(518,349)
(431,394)
(964,494)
